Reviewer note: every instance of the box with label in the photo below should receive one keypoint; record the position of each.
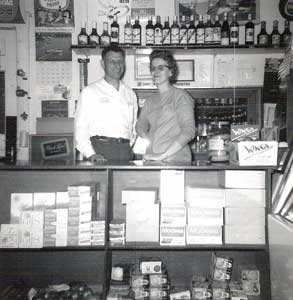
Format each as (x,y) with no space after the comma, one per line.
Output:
(205,197)
(203,234)
(139,194)
(245,179)
(257,153)
(151,267)
(239,234)
(62,199)
(18,203)
(43,201)
(244,132)
(9,235)
(205,216)
(245,215)
(172,236)
(245,197)
(173,215)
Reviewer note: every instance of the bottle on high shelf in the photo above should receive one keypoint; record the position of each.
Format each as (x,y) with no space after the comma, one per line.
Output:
(150,32)
(234,30)
(191,33)
(94,38)
(175,32)
(166,40)
(217,31)
(275,37)
(249,31)
(158,31)
(128,31)
(115,31)
(225,31)
(105,38)
(136,32)
(83,38)
(286,35)
(200,31)
(208,31)
(263,37)
(183,32)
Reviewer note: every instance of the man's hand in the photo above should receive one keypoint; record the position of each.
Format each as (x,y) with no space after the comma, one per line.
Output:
(97,158)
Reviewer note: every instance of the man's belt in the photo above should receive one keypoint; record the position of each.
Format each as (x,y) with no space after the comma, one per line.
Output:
(110,139)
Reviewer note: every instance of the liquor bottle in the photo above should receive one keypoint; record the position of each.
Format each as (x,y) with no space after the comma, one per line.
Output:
(200,31)
(94,38)
(217,31)
(286,35)
(105,36)
(208,31)
(191,32)
(263,37)
(83,38)
(234,30)
(183,32)
(275,37)
(158,31)
(115,31)
(128,31)
(136,32)
(150,32)
(166,40)
(225,31)
(249,31)
(175,32)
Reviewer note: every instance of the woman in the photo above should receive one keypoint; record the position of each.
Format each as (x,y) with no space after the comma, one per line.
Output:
(167,120)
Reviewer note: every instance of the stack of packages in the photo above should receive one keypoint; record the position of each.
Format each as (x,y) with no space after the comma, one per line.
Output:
(245,206)
(117,232)
(250,280)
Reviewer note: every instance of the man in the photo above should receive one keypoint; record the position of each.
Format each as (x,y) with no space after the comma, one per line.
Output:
(106,113)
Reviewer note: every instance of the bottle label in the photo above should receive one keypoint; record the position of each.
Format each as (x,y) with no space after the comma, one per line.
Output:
(286,39)
(216,144)
(150,36)
(114,35)
(234,35)
(127,35)
(82,39)
(94,39)
(136,36)
(276,39)
(208,35)
(105,40)
(158,36)
(191,37)
(217,34)
(263,40)
(183,36)
(249,35)
(166,37)
(175,36)
(200,36)
(225,38)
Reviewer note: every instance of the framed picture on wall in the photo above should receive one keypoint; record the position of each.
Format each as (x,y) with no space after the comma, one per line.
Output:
(185,70)
(219,7)
(142,67)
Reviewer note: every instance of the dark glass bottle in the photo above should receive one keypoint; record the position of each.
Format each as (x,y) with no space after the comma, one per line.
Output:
(136,32)
(158,31)
(183,32)
(208,31)
(166,40)
(175,32)
(128,31)
(105,36)
(249,31)
(275,37)
(200,31)
(234,30)
(217,31)
(263,37)
(115,31)
(286,35)
(225,31)
(83,38)
(150,32)
(191,32)
(94,38)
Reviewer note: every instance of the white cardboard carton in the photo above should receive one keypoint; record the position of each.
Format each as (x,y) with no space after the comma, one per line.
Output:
(205,216)
(239,234)
(203,234)
(173,215)
(245,197)
(245,215)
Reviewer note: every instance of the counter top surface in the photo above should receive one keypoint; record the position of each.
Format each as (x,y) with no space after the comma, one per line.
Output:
(135,165)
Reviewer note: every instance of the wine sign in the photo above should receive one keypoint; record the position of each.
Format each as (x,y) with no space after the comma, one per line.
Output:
(286,9)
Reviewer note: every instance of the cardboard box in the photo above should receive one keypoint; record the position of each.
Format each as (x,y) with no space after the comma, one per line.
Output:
(239,234)
(203,234)
(172,235)
(205,216)
(173,215)
(245,215)
(139,194)
(256,153)
(244,132)
(18,203)
(245,197)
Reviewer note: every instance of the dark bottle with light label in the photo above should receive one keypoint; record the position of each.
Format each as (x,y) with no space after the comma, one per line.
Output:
(83,38)
(136,32)
(234,30)
(217,31)
(275,37)
(249,31)
(263,37)
(128,31)
(158,31)
(225,31)
(166,39)
(191,32)
(183,32)
(105,38)
(115,31)
(208,31)
(175,32)
(150,32)
(200,28)
(286,35)
(94,38)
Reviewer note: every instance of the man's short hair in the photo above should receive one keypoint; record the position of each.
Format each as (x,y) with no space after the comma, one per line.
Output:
(113,48)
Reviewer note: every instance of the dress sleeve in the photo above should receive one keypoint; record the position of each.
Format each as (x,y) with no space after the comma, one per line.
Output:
(142,124)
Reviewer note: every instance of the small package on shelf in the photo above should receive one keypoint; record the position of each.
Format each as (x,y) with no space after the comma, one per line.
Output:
(173,215)
(151,267)
(221,268)
(172,236)
(117,232)
(200,288)
(220,291)
(250,279)
(18,203)
(184,295)
(158,281)
(203,235)
(9,235)
(146,195)
(158,294)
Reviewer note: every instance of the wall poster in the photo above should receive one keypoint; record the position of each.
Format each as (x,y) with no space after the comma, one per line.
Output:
(219,7)
(54,13)
(10,12)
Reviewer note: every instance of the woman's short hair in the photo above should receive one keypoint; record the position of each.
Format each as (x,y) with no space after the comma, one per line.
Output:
(170,60)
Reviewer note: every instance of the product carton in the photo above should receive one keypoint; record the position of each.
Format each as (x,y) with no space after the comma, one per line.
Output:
(172,235)
(203,234)
(245,197)
(18,203)
(239,234)
(139,194)
(173,215)
(245,215)
(205,216)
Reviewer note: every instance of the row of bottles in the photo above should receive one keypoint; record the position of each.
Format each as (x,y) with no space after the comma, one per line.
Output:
(185,33)
(223,101)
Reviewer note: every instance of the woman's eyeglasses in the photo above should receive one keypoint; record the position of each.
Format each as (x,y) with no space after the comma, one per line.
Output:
(160,68)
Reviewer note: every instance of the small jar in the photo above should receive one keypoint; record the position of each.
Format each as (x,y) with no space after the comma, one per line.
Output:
(218,141)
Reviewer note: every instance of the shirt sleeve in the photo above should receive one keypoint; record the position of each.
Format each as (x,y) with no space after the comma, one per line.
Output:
(135,110)
(82,136)
(142,124)
(185,116)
